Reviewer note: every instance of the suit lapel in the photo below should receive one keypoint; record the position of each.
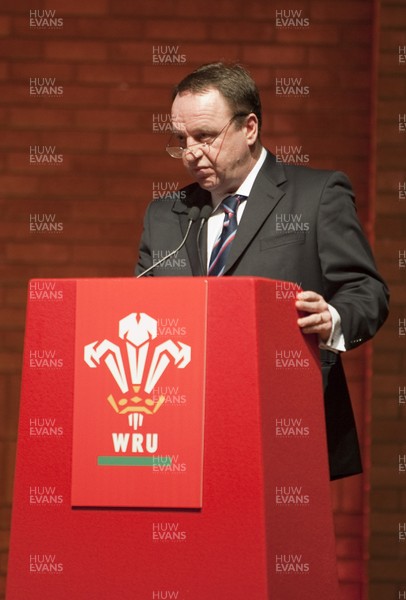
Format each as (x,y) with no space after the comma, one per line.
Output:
(264,196)
(195,196)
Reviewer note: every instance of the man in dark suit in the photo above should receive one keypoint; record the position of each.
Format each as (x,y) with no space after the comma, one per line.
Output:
(287,222)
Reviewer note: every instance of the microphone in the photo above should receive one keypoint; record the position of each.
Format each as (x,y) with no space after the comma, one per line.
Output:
(204,216)
(193,215)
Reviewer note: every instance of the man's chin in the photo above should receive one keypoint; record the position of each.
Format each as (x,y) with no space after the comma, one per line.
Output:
(207,183)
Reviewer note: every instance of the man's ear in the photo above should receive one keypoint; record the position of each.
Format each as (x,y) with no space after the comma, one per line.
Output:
(251,129)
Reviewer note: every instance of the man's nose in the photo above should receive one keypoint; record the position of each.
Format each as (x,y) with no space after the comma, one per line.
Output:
(192,153)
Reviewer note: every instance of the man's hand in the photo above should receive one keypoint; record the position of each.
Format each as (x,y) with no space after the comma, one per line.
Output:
(319,320)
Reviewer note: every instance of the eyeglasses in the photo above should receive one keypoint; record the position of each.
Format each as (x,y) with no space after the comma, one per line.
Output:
(176,151)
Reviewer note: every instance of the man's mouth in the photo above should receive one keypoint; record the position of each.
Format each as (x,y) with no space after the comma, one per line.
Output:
(201,171)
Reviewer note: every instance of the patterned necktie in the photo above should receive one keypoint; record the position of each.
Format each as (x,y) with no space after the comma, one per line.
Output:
(223,244)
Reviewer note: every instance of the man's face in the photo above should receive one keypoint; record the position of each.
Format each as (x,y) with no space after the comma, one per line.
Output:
(222,166)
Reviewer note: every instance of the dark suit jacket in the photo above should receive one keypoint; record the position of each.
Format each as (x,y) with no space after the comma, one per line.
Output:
(299,225)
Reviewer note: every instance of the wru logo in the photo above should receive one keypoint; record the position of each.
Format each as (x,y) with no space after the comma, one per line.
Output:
(146,363)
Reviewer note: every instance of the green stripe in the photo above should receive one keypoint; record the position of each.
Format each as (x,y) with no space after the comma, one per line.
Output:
(133,461)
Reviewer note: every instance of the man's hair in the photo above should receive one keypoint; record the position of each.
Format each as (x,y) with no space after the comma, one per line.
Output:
(232,81)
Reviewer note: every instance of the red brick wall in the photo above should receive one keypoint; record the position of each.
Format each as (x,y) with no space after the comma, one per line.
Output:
(387,547)
(106,128)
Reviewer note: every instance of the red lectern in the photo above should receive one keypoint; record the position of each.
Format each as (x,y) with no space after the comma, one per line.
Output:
(171,445)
